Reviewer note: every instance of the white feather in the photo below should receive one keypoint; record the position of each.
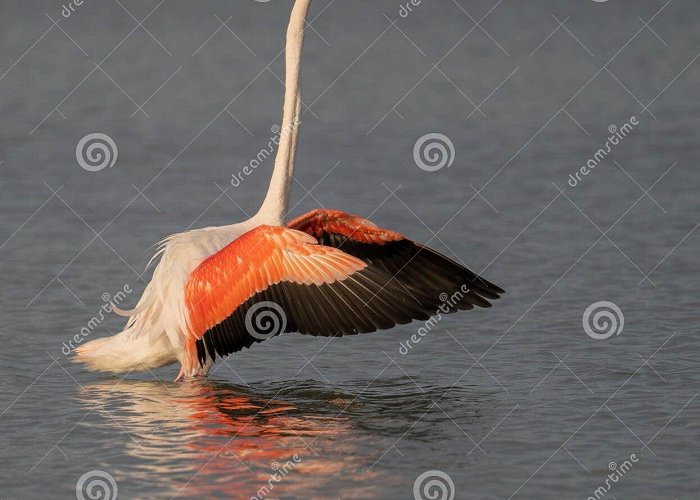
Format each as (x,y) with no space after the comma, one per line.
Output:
(157,329)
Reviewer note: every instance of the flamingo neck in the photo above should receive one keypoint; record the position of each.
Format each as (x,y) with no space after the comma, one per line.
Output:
(276,203)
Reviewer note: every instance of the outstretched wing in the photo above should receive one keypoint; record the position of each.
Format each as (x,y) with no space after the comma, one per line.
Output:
(411,264)
(274,279)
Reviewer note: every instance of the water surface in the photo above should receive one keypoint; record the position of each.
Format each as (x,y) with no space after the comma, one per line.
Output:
(513,402)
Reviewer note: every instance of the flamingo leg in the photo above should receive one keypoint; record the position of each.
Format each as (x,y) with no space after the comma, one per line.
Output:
(180,375)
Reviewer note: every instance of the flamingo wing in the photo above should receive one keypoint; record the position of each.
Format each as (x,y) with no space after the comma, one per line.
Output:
(275,279)
(411,264)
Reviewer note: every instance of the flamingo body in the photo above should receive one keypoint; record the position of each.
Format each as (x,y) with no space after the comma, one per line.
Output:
(303,286)
(325,273)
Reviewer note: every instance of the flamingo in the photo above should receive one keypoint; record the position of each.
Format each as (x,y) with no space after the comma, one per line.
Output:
(217,290)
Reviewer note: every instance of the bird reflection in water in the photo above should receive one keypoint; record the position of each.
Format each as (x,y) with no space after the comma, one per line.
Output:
(210,439)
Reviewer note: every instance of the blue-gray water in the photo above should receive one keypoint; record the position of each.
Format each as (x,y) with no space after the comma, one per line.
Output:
(513,402)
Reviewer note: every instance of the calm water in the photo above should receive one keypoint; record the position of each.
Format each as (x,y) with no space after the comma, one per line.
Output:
(514,402)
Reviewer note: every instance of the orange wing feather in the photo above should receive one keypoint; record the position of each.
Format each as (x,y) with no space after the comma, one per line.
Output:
(262,257)
(360,278)
(408,262)
(351,226)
